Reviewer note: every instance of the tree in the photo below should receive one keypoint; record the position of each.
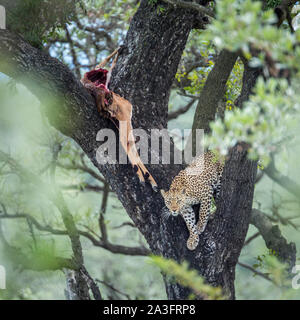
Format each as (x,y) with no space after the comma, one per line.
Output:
(144,75)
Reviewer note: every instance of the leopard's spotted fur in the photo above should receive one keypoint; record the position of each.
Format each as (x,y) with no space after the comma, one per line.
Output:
(196,184)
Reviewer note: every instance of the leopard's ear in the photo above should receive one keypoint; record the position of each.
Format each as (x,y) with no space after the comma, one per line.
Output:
(163,192)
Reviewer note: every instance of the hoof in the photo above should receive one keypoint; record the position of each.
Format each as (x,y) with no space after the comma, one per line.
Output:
(201,228)
(155,188)
(121,49)
(143,183)
(147,175)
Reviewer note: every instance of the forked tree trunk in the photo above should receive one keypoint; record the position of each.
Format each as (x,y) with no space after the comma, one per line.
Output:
(143,75)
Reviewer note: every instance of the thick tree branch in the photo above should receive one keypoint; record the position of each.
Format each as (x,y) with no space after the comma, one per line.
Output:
(177,113)
(286,252)
(284,181)
(250,76)
(213,90)
(256,272)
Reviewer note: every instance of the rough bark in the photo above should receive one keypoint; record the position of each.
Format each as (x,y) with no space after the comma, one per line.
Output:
(143,75)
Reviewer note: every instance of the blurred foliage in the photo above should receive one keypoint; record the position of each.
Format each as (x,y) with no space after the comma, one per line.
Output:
(272,3)
(234,84)
(197,76)
(37,20)
(272,268)
(117,11)
(240,24)
(187,277)
(245,26)
(271,114)
(269,117)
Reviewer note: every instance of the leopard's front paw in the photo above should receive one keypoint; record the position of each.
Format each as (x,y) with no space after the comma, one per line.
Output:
(200,228)
(192,242)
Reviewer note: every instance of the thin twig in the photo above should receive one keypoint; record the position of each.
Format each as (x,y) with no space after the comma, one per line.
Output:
(177,113)
(254,236)
(114,289)
(261,274)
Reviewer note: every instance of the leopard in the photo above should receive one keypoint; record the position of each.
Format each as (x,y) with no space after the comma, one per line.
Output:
(198,183)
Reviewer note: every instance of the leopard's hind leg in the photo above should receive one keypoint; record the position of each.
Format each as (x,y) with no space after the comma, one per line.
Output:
(188,215)
(216,195)
(204,211)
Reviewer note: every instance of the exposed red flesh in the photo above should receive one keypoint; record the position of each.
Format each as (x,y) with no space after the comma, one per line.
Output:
(98,77)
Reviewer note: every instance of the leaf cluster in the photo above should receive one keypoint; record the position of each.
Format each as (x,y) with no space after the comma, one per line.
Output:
(36,20)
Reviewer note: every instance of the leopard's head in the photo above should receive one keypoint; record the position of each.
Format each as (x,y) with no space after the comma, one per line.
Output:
(174,200)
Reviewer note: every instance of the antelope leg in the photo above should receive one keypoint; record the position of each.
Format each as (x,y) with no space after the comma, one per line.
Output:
(105,61)
(128,143)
